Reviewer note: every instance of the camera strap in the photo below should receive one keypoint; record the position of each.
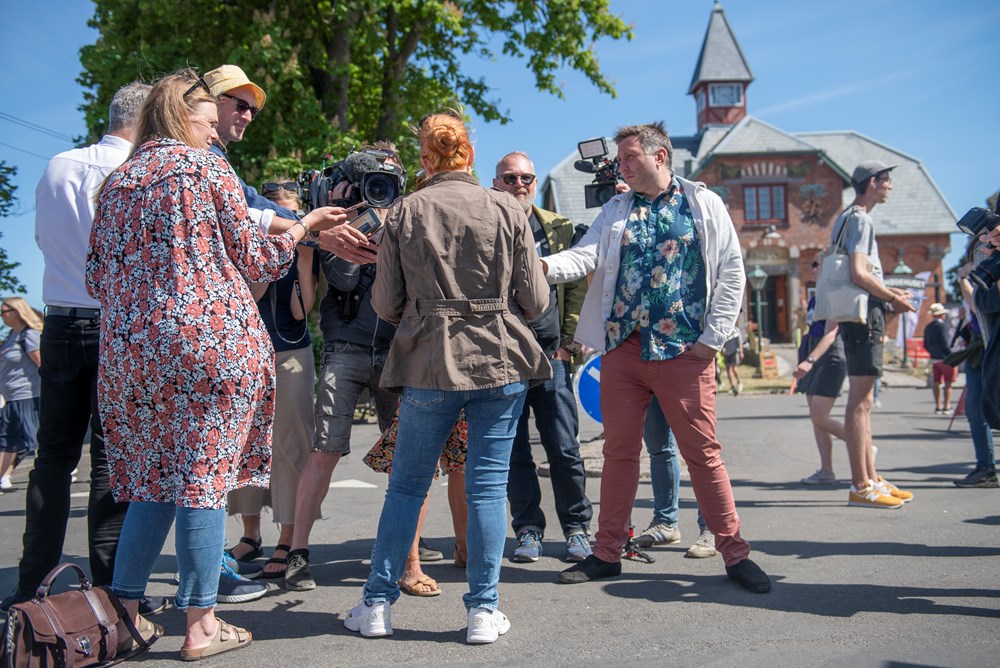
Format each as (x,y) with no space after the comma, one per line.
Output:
(272,296)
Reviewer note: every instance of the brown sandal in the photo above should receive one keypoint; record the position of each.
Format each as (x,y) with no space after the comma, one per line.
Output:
(413,588)
(227,638)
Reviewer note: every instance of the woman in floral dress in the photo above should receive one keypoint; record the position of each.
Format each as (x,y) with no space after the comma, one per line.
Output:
(186,383)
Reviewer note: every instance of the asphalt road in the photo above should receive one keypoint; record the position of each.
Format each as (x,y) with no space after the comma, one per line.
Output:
(852,587)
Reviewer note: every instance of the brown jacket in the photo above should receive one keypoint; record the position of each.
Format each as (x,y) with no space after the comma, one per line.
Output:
(458,273)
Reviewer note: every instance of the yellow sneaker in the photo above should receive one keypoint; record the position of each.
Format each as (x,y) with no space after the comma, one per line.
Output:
(870,496)
(889,488)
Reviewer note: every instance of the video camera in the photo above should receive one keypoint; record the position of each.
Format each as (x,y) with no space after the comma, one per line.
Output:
(974,223)
(606,175)
(363,176)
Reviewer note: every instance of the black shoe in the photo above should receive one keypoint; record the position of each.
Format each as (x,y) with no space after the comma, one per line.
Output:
(750,577)
(153,605)
(589,569)
(427,553)
(978,478)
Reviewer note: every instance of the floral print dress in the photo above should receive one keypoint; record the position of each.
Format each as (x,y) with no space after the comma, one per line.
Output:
(186,380)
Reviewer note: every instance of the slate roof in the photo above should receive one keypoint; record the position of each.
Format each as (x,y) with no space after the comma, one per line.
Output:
(721,58)
(915,207)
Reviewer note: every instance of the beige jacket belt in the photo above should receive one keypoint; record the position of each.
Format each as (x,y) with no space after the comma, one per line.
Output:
(454,307)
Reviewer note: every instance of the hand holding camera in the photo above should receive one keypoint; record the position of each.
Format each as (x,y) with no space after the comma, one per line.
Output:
(984,224)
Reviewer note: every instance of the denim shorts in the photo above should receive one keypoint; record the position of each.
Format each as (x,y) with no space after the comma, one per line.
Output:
(347,370)
(863,342)
(19,426)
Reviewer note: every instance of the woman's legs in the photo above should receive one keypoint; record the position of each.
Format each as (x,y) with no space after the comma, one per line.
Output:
(459,515)
(824,428)
(413,573)
(492,415)
(199,538)
(426,417)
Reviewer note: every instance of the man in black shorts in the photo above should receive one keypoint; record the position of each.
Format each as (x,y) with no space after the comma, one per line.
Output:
(863,341)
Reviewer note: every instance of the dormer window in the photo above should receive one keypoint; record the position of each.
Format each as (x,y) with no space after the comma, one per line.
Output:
(725,95)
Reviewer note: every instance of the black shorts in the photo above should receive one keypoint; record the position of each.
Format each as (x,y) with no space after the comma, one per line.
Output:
(826,378)
(863,342)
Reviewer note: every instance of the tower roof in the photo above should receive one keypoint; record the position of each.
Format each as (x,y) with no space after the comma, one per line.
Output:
(721,58)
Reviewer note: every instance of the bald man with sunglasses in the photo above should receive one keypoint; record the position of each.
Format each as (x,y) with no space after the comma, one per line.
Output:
(553,402)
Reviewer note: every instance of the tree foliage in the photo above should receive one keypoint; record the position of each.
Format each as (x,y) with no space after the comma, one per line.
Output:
(8,281)
(340,74)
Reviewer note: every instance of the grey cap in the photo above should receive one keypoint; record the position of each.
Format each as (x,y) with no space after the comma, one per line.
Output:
(868,169)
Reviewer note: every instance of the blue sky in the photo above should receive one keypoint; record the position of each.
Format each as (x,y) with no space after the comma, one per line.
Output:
(917,75)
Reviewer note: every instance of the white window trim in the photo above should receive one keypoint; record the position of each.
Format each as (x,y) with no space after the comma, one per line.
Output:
(739,94)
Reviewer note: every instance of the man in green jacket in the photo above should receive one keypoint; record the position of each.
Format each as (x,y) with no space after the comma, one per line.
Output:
(553,402)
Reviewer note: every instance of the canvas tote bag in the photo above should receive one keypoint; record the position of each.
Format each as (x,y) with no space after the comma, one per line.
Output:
(837,297)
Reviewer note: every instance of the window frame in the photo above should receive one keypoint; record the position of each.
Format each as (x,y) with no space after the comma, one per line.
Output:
(771,189)
(712,88)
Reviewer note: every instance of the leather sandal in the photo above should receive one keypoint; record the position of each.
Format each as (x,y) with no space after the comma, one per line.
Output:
(252,554)
(128,647)
(227,638)
(422,586)
(273,575)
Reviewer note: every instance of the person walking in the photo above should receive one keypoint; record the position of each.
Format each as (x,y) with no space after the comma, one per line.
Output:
(19,385)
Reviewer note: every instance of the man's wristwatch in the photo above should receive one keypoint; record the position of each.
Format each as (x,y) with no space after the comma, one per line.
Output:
(811,359)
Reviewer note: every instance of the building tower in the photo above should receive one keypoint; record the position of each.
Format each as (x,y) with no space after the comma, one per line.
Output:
(721,77)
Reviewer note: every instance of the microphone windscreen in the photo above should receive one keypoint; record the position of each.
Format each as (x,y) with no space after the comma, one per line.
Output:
(585,166)
(357,164)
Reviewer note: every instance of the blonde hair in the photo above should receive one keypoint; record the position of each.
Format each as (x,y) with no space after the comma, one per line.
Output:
(31,318)
(172,99)
(444,142)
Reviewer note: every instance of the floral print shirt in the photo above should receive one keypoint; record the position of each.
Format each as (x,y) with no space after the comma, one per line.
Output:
(661,287)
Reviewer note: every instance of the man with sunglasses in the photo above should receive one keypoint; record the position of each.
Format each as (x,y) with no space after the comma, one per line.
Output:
(553,402)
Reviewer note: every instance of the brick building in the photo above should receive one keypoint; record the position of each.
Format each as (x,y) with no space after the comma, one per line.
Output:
(784,190)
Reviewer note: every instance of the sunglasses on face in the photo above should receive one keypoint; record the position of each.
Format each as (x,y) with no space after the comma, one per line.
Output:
(200,83)
(512,179)
(269,188)
(242,106)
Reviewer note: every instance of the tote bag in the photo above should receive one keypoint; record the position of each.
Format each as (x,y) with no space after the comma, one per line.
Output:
(837,297)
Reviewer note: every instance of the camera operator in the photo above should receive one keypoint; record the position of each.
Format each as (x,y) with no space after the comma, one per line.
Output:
(987,303)
(355,345)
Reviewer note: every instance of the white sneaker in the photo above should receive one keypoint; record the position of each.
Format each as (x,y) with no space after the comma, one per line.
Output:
(486,625)
(6,484)
(820,477)
(372,621)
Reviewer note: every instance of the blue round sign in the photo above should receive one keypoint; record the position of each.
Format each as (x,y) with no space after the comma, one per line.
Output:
(588,386)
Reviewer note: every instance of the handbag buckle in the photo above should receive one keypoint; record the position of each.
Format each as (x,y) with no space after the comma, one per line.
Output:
(85,645)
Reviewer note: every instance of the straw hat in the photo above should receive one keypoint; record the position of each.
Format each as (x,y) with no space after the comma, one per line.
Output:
(938,309)
(227,77)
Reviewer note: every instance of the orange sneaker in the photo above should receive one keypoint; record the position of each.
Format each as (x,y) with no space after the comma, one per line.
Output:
(888,488)
(870,496)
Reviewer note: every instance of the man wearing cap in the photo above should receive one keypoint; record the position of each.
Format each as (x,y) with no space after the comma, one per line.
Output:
(936,344)
(239,101)
(863,341)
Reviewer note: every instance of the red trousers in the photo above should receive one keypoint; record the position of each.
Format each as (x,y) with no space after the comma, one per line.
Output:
(685,388)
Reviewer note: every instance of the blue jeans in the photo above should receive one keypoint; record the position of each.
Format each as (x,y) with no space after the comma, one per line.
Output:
(664,467)
(982,436)
(426,417)
(68,405)
(199,540)
(557,421)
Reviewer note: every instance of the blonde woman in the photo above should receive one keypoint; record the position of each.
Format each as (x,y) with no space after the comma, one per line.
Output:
(19,384)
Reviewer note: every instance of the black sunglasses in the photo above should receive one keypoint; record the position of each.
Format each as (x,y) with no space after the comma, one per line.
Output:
(242,106)
(512,179)
(200,83)
(271,187)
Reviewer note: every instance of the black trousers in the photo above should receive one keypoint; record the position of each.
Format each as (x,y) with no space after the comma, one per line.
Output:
(69,348)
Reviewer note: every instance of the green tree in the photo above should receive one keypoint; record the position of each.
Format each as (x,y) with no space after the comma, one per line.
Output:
(339,74)
(8,281)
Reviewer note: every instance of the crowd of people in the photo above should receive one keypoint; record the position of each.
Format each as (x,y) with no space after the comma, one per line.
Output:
(176,329)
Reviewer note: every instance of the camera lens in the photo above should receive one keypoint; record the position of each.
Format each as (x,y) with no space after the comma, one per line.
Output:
(380,190)
(985,274)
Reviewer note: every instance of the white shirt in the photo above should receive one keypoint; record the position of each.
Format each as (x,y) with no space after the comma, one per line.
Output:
(64,214)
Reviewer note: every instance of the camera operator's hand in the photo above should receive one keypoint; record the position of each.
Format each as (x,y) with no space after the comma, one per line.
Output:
(324,218)
(346,242)
(622,188)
